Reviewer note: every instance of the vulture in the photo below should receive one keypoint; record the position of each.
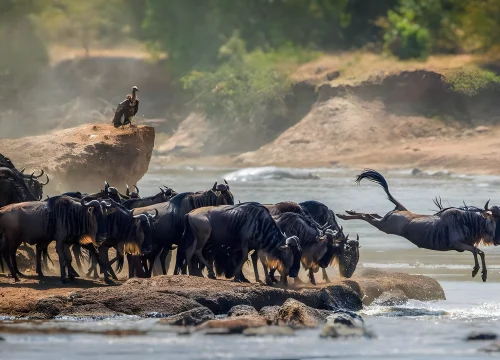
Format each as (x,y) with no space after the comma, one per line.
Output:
(127,109)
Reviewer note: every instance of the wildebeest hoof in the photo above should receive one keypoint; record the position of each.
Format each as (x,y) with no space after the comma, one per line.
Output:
(212,276)
(484,276)
(474,271)
(313,282)
(64,281)
(269,282)
(109,282)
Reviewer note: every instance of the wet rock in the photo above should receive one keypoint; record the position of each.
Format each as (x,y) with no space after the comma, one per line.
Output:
(392,298)
(233,325)
(48,308)
(332,75)
(474,336)
(297,314)
(344,324)
(189,318)
(270,313)
(242,310)
(416,172)
(269,331)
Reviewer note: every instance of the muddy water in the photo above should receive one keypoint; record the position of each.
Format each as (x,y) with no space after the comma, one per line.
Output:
(414,331)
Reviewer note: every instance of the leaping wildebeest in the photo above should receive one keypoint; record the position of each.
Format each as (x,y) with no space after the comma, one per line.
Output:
(460,229)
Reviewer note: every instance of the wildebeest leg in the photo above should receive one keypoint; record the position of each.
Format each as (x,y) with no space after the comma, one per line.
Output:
(152,257)
(484,273)
(1,264)
(103,255)
(67,255)
(325,275)
(39,260)
(14,263)
(263,261)
(131,266)
(271,275)
(311,276)
(239,277)
(163,258)
(255,258)
(7,257)
(208,264)
(352,215)
(76,248)
(474,251)
(62,260)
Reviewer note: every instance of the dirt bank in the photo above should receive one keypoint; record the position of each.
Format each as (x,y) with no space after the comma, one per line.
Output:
(170,295)
(82,158)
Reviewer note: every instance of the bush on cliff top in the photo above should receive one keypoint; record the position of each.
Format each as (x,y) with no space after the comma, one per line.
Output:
(471,80)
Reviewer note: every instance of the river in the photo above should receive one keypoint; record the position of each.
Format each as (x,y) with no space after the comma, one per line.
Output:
(431,330)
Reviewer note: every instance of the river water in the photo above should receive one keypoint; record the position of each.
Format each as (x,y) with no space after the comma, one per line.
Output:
(418,330)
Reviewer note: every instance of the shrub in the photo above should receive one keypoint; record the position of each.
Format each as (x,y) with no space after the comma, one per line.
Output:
(470,80)
(405,38)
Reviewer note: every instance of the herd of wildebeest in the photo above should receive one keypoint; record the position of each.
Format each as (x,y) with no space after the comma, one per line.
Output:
(211,232)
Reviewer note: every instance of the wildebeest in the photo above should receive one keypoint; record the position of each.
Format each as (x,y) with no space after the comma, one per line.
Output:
(232,231)
(126,231)
(60,218)
(163,196)
(323,215)
(13,189)
(319,249)
(31,181)
(169,226)
(449,229)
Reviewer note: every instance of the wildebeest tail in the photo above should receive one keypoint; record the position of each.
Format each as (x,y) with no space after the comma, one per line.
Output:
(46,257)
(377,178)
(120,262)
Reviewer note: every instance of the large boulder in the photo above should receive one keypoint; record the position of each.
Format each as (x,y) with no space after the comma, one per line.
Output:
(81,158)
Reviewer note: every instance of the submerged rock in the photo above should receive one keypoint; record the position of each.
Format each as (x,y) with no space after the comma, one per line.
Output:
(270,313)
(392,298)
(242,310)
(474,336)
(270,331)
(296,314)
(234,325)
(192,317)
(344,324)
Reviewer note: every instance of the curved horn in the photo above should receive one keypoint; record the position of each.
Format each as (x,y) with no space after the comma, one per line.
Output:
(32,175)
(22,170)
(136,189)
(93,203)
(357,237)
(140,216)
(214,188)
(48,180)
(106,186)
(226,184)
(162,191)
(486,205)
(128,190)
(37,176)
(155,216)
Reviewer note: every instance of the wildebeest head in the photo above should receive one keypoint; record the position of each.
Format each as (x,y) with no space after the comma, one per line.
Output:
(147,224)
(493,214)
(288,256)
(97,212)
(348,256)
(226,195)
(132,194)
(6,162)
(36,187)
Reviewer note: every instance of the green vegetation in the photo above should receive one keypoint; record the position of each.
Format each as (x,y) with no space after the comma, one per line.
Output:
(234,56)
(471,80)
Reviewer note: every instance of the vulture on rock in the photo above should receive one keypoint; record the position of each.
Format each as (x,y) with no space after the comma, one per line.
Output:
(127,109)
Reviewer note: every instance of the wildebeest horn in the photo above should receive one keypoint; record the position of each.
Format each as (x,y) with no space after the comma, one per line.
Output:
(128,190)
(162,191)
(22,170)
(136,189)
(140,216)
(106,186)
(46,182)
(293,241)
(214,187)
(486,205)
(156,214)
(226,184)
(108,204)
(93,203)
(37,176)
(357,237)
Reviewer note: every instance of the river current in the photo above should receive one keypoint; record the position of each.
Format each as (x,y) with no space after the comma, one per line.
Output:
(418,330)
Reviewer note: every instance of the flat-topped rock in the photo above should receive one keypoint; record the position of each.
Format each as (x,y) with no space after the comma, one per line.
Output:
(81,158)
